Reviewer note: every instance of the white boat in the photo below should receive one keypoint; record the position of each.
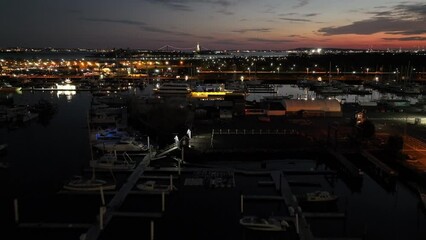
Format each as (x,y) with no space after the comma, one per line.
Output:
(152,186)
(263,224)
(123,145)
(65,87)
(173,89)
(78,183)
(318,197)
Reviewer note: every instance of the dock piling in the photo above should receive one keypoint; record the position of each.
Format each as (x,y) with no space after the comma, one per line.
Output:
(102,211)
(242,204)
(163,202)
(15,206)
(102,196)
(297,223)
(152,230)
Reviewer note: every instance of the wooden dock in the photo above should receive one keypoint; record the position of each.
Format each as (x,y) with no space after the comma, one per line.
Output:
(117,201)
(323,215)
(303,228)
(55,225)
(347,167)
(381,168)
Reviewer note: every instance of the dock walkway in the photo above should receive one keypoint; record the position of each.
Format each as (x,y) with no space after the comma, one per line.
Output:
(303,228)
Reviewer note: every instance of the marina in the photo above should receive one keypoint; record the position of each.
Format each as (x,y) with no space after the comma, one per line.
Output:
(213,120)
(245,186)
(126,158)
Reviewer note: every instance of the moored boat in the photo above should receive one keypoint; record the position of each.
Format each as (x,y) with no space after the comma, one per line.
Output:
(263,224)
(318,197)
(6,87)
(152,186)
(78,183)
(173,89)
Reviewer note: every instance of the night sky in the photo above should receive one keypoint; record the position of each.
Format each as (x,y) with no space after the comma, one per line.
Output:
(215,24)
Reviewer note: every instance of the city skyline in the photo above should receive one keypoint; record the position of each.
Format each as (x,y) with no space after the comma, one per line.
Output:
(215,24)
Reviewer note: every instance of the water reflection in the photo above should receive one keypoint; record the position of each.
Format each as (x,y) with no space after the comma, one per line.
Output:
(68,94)
(295,92)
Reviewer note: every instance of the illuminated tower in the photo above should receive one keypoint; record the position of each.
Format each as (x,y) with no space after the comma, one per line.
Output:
(198,49)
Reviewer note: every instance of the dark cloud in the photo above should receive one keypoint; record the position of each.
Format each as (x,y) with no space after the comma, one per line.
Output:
(413,32)
(414,38)
(179,7)
(119,21)
(419,9)
(225,12)
(298,14)
(296,19)
(264,40)
(311,14)
(165,31)
(185,5)
(301,3)
(297,36)
(400,19)
(287,14)
(253,30)
(157,30)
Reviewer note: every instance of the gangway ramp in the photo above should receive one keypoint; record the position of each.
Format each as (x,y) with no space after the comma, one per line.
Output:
(166,150)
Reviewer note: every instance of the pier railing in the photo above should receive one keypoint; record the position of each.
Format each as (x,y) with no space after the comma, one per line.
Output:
(167,149)
(256,132)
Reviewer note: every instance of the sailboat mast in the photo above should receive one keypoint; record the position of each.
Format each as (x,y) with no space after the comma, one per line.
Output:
(90,144)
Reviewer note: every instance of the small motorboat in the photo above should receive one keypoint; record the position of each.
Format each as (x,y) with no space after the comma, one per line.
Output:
(318,197)
(78,183)
(152,186)
(263,224)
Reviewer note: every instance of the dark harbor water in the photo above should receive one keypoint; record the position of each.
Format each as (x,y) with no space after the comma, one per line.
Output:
(43,155)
